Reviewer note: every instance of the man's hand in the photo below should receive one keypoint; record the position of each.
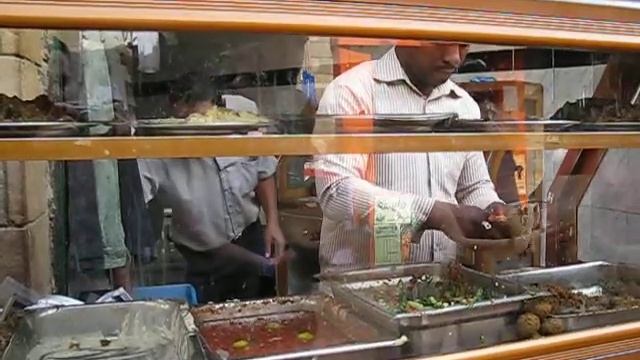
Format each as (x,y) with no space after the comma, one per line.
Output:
(270,266)
(472,221)
(274,239)
(460,221)
(505,220)
(497,211)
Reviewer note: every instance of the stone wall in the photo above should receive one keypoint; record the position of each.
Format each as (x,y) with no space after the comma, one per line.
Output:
(609,215)
(24,186)
(319,56)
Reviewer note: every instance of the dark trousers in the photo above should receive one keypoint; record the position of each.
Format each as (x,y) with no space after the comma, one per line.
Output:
(218,278)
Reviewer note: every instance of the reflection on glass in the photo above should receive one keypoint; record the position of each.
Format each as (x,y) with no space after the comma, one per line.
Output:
(251,227)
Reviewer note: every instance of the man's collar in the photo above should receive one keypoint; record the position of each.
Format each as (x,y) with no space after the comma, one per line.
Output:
(387,69)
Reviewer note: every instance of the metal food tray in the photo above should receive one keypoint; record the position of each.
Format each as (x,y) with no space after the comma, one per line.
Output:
(160,128)
(607,126)
(42,129)
(368,340)
(507,126)
(346,290)
(136,331)
(587,278)
(384,123)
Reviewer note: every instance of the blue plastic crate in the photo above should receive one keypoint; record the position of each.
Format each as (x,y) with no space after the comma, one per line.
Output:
(184,292)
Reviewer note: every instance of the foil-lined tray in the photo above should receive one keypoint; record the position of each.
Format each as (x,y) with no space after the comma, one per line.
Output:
(134,331)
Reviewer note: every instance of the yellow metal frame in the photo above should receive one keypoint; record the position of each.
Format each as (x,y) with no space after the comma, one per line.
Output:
(255,145)
(586,341)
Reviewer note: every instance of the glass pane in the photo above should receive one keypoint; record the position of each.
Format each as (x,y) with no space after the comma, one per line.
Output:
(259,224)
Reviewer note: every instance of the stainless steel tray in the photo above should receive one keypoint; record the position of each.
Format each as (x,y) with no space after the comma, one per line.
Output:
(383,123)
(366,341)
(135,331)
(587,278)
(160,128)
(42,129)
(346,290)
(507,126)
(607,126)
(579,276)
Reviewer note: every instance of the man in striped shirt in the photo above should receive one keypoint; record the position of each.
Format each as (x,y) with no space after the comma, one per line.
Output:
(446,193)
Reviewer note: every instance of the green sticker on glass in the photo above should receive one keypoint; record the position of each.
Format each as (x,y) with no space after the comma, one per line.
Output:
(391,224)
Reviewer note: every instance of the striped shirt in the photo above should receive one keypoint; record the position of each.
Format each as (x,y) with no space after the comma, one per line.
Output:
(348,185)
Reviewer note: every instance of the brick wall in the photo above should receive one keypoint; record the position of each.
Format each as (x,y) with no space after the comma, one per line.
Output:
(320,61)
(24,186)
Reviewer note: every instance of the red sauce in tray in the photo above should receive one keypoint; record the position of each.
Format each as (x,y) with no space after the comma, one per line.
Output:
(270,335)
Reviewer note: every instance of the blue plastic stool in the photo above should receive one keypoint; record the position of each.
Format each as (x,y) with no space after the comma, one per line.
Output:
(184,292)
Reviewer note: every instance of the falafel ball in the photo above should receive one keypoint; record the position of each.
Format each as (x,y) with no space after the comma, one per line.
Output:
(540,308)
(528,324)
(552,326)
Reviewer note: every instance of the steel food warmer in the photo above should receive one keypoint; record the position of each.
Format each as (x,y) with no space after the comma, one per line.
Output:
(555,84)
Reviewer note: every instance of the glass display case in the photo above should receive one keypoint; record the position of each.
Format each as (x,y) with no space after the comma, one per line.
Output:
(367,179)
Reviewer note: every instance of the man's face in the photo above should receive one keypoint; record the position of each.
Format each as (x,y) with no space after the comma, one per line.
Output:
(433,63)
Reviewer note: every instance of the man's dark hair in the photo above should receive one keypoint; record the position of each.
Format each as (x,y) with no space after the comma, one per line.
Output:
(193,87)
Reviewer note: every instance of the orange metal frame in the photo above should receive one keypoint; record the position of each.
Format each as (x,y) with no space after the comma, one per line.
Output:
(583,343)
(563,9)
(524,22)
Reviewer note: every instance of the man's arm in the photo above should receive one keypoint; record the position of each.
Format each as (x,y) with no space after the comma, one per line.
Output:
(345,195)
(474,185)
(267,196)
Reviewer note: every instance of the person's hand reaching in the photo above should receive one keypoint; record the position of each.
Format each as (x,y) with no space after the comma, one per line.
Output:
(471,222)
(506,221)
(274,240)
(458,222)
(269,268)
(497,211)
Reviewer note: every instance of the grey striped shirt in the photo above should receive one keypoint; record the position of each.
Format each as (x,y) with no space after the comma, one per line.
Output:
(348,185)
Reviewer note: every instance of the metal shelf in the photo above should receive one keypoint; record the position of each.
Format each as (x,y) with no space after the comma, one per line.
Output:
(203,146)
(522,22)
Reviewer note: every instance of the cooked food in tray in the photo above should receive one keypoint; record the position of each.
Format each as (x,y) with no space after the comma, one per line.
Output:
(576,297)
(427,292)
(216,115)
(270,335)
(598,110)
(281,327)
(609,296)
(544,316)
(40,109)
